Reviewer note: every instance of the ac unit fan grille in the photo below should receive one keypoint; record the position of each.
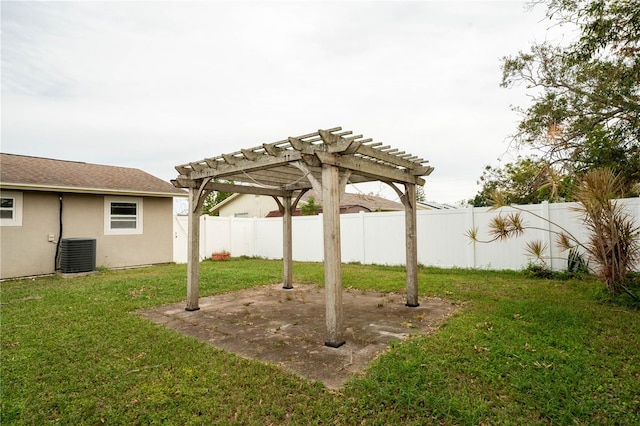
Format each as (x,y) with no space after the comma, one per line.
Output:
(77,255)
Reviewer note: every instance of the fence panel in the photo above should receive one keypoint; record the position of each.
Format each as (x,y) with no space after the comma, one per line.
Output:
(384,240)
(268,238)
(441,238)
(180,224)
(379,238)
(509,253)
(307,238)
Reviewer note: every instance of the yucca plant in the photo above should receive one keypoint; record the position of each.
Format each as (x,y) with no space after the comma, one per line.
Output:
(613,241)
(612,249)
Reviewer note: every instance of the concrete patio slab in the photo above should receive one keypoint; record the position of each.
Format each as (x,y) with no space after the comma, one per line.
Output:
(287,327)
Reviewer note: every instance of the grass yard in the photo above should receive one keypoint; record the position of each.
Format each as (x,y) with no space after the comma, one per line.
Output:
(518,351)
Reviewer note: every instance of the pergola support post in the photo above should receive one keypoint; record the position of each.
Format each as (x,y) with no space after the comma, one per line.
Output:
(286,208)
(197,195)
(193,252)
(332,255)
(409,200)
(287,243)
(412,245)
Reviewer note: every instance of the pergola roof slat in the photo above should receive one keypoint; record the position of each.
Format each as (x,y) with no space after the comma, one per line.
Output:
(271,163)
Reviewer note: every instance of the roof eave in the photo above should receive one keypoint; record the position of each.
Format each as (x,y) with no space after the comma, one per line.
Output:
(82,190)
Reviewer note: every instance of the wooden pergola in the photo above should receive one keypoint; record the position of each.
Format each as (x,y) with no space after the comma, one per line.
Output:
(326,161)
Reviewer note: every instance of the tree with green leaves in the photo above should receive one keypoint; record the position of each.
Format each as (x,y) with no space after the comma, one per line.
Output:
(528,180)
(213,199)
(420,194)
(310,208)
(585,110)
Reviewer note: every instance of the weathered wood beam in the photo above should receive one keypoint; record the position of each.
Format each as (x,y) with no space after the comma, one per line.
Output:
(311,160)
(197,194)
(422,171)
(388,157)
(408,199)
(250,155)
(287,207)
(183,182)
(315,183)
(363,140)
(312,134)
(287,242)
(301,146)
(193,254)
(279,203)
(332,256)
(183,169)
(329,138)
(352,148)
(411,240)
(272,149)
(197,166)
(366,167)
(212,163)
(245,189)
(302,185)
(299,196)
(246,166)
(230,159)
(277,177)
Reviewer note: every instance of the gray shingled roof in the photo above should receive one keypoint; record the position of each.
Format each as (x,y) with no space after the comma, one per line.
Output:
(368,201)
(36,173)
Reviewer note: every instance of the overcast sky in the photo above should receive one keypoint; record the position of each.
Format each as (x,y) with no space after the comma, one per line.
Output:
(154,84)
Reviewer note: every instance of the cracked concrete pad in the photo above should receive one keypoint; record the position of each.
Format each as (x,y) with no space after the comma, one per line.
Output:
(287,327)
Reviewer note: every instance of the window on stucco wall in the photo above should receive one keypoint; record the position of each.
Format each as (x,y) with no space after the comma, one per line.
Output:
(11,208)
(122,216)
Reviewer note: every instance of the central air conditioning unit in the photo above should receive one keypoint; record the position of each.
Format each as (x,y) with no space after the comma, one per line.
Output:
(77,255)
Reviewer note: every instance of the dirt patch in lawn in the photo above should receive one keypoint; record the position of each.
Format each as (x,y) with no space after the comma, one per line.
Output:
(287,327)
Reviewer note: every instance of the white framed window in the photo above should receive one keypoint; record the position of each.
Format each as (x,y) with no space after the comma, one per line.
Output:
(10,208)
(122,215)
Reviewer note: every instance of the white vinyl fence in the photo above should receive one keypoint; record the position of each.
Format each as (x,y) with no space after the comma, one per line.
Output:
(379,238)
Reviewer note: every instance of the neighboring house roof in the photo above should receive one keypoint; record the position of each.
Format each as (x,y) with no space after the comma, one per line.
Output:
(436,206)
(224,202)
(46,174)
(372,203)
(349,203)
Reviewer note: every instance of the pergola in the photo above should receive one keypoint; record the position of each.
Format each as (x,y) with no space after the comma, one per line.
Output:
(326,161)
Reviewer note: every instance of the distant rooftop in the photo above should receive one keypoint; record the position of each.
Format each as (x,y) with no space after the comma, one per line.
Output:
(368,201)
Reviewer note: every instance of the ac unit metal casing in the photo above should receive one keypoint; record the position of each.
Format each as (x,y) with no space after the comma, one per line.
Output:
(77,255)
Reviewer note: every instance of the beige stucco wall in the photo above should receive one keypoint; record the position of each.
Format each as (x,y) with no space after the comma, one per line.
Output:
(249,205)
(25,250)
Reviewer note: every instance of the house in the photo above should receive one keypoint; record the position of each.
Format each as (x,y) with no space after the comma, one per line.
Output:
(45,203)
(249,205)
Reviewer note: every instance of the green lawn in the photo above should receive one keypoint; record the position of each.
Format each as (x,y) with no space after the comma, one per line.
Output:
(518,351)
